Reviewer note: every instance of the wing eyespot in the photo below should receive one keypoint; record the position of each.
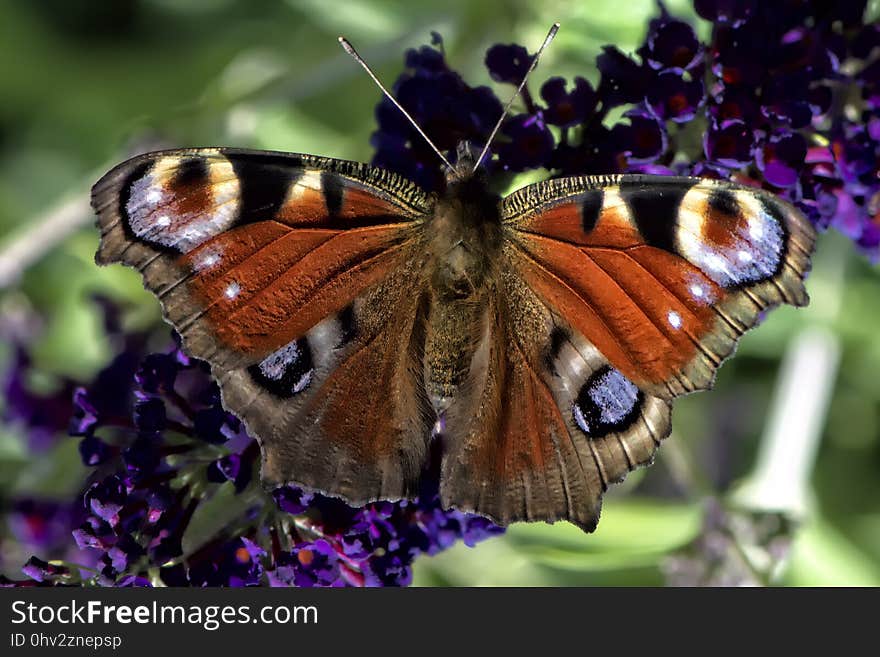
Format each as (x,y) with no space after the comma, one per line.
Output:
(287,371)
(607,402)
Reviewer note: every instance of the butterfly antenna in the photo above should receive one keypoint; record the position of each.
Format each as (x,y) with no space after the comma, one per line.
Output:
(351,51)
(552,33)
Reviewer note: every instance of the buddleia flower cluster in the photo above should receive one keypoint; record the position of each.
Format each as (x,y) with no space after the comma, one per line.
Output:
(174,498)
(783,95)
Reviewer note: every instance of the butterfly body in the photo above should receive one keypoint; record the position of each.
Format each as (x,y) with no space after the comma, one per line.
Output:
(464,240)
(533,343)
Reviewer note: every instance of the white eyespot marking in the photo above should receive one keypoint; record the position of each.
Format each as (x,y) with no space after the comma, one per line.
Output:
(674,319)
(756,230)
(303,383)
(207,260)
(738,249)
(714,262)
(697,290)
(289,360)
(183,215)
(310,180)
(605,402)
(580,419)
(274,364)
(232,290)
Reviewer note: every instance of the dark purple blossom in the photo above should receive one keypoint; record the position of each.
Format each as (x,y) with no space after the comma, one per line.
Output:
(508,63)
(623,79)
(85,416)
(643,138)
(782,158)
(730,145)
(672,97)
(446,108)
(42,526)
(105,499)
(568,108)
(672,45)
(530,143)
(94,451)
(44,572)
(171,454)
(41,416)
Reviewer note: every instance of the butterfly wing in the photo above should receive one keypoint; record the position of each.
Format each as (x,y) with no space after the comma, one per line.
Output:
(513,449)
(275,268)
(616,294)
(663,274)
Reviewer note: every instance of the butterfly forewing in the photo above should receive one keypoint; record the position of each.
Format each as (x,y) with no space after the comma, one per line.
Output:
(276,269)
(661,274)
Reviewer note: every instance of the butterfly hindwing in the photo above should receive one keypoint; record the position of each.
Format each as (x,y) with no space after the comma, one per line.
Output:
(276,268)
(343,409)
(550,423)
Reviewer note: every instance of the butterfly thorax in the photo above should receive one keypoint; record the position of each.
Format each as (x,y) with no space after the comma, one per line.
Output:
(464,233)
(464,240)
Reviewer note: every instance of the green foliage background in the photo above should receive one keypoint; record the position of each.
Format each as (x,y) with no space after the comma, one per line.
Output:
(84,85)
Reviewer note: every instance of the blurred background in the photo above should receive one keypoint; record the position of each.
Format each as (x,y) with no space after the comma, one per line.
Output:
(772,478)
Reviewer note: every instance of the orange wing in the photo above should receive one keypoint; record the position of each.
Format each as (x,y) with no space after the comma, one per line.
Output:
(516,449)
(661,274)
(275,269)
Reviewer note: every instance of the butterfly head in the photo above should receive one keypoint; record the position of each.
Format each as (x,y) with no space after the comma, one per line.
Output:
(465,160)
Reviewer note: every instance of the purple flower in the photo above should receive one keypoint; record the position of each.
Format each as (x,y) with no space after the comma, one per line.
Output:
(106,498)
(730,145)
(44,572)
(725,11)
(674,98)
(157,373)
(568,108)
(508,63)
(781,158)
(530,143)
(85,416)
(734,103)
(446,108)
(318,564)
(149,415)
(42,417)
(643,139)
(159,468)
(672,45)
(291,499)
(44,525)
(94,451)
(623,79)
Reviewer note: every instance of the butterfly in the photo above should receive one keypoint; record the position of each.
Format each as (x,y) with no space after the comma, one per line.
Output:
(525,348)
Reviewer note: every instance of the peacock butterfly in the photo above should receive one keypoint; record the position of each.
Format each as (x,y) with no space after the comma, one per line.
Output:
(530,345)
